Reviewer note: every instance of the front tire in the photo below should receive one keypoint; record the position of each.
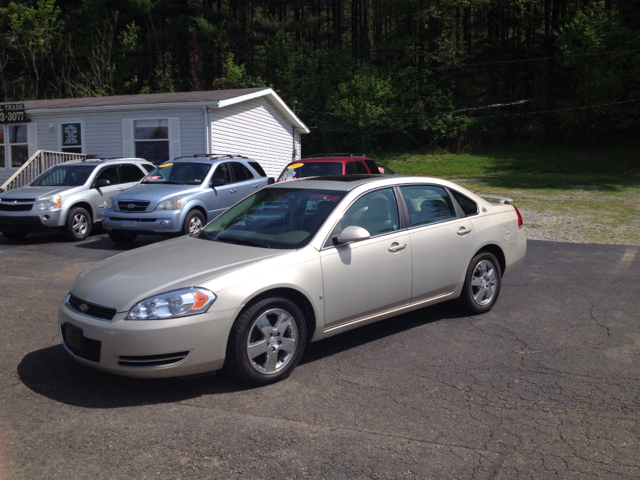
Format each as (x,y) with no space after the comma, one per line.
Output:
(482,284)
(193,223)
(266,341)
(120,236)
(78,224)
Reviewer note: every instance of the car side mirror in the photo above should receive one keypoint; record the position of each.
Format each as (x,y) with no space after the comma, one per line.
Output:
(271,181)
(217,182)
(352,233)
(103,182)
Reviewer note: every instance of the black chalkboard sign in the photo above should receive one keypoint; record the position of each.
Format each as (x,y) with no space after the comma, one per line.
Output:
(71,134)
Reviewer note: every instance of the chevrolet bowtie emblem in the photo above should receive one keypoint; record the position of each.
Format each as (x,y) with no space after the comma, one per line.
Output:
(83,307)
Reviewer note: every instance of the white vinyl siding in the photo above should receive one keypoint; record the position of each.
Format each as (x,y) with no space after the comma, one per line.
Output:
(127,138)
(174,137)
(256,130)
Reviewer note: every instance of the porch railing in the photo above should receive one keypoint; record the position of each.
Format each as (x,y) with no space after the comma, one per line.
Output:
(38,163)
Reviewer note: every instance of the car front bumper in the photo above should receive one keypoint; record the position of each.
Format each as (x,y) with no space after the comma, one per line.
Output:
(146,348)
(161,221)
(29,221)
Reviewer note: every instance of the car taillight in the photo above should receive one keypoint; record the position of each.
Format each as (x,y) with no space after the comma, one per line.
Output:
(520,222)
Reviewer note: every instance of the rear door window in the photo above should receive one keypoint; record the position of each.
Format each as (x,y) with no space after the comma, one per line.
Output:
(241,172)
(427,204)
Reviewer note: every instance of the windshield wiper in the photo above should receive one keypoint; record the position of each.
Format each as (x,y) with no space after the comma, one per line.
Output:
(241,241)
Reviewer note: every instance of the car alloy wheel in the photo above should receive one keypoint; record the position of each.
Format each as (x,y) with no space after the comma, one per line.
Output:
(266,342)
(272,341)
(78,224)
(481,285)
(193,223)
(484,283)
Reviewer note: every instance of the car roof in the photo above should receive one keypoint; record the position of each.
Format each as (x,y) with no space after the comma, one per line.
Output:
(334,182)
(350,182)
(89,161)
(207,158)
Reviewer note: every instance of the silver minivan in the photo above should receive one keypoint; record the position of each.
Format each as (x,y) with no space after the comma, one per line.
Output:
(182,195)
(69,196)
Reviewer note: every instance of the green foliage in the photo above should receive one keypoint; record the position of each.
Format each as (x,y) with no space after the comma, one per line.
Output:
(367,75)
(235,76)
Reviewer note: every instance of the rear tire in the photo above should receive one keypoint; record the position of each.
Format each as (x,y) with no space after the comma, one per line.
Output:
(78,224)
(266,341)
(481,285)
(15,235)
(121,236)
(193,223)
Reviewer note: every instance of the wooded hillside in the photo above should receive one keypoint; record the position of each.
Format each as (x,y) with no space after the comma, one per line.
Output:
(367,74)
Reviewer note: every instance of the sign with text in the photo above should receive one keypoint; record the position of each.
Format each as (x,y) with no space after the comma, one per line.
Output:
(12,113)
(71,134)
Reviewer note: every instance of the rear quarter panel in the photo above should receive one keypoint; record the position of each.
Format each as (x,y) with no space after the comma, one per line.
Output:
(499,226)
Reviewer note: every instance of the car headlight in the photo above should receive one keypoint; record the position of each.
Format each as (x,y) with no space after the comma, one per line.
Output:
(108,203)
(49,203)
(174,304)
(171,204)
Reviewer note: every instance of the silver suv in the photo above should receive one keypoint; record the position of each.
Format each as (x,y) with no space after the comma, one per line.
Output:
(70,195)
(182,195)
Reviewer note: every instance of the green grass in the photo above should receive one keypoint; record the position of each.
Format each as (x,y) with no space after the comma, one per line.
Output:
(588,194)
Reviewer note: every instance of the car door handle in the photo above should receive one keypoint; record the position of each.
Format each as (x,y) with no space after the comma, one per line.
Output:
(396,247)
(255,185)
(233,190)
(463,230)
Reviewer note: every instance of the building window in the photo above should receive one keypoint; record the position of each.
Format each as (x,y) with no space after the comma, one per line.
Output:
(151,138)
(2,162)
(18,145)
(71,137)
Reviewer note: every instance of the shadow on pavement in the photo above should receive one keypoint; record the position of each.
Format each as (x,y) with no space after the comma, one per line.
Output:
(51,372)
(103,242)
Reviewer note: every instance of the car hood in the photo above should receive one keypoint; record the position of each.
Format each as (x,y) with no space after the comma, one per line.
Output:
(23,193)
(151,192)
(125,279)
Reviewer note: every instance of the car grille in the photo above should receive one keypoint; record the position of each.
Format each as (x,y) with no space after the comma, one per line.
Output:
(20,206)
(90,348)
(131,206)
(91,309)
(143,361)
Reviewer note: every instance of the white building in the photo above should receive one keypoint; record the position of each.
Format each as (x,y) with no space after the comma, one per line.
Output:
(253,122)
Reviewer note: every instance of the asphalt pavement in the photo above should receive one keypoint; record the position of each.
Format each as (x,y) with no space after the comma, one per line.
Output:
(546,385)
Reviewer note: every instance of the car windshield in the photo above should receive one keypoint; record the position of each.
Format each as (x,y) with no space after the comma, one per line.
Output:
(310,169)
(284,218)
(64,176)
(181,173)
